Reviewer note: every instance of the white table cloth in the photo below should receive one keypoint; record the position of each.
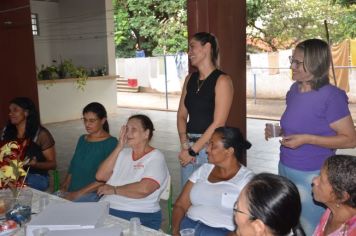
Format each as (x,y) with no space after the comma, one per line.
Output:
(109,221)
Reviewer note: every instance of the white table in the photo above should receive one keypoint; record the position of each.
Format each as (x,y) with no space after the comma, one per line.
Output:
(109,221)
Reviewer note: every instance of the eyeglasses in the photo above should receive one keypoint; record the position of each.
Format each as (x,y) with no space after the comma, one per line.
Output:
(91,121)
(294,61)
(236,210)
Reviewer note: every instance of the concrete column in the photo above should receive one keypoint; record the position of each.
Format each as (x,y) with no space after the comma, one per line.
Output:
(17,60)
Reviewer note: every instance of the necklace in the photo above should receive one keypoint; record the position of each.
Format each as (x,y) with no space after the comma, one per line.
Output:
(199,85)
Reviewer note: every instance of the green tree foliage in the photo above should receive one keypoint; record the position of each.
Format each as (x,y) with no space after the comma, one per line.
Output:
(345,2)
(281,24)
(154,25)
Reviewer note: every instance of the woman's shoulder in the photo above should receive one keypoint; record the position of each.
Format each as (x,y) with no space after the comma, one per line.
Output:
(42,129)
(246,171)
(331,89)
(156,154)
(243,175)
(44,133)
(111,140)
(331,92)
(205,169)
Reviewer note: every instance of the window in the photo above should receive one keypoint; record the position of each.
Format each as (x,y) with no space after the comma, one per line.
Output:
(34,23)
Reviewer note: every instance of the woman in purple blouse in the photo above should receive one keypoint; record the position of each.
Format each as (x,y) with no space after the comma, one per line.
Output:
(316,122)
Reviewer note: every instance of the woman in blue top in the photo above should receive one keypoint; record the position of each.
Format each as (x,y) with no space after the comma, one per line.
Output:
(91,150)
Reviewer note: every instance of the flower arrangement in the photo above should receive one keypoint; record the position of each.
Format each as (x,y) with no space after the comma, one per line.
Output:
(12,166)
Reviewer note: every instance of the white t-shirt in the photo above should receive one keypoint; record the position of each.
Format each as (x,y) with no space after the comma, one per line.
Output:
(126,170)
(213,203)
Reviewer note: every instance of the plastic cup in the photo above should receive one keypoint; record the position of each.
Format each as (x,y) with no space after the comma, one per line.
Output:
(43,201)
(135,226)
(275,129)
(40,232)
(187,232)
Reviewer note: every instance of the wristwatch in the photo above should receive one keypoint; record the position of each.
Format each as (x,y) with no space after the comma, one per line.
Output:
(192,152)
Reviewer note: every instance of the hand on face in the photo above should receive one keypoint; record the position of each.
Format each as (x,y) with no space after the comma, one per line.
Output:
(123,136)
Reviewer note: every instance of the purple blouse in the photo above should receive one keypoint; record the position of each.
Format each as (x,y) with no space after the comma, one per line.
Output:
(311,113)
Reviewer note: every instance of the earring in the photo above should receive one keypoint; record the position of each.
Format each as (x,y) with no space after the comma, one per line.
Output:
(337,205)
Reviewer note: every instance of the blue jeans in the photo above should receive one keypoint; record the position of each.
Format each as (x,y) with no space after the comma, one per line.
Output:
(202,229)
(311,211)
(89,197)
(200,159)
(150,220)
(37,181)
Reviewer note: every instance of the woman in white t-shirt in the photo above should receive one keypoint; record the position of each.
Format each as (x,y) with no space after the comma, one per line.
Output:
(135,176)
(207,199)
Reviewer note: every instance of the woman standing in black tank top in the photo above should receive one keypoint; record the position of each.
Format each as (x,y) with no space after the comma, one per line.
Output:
(206,100)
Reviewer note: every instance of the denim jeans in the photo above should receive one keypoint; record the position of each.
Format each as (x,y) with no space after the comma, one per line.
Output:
(200,159)
(37,181)
(311,210)
(202,229)
(89,197)
(150,220)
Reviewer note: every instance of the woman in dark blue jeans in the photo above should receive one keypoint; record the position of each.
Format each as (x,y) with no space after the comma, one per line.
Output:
(24,124)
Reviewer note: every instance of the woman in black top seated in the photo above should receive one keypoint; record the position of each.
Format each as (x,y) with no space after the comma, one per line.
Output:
(206,99)
(24,124)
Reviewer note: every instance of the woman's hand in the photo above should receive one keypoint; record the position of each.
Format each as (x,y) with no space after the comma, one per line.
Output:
(294,141)
(106,189)
(123,136)
(185,158)
(268,132)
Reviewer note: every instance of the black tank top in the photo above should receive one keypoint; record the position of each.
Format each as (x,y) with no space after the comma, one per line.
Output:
(201,104)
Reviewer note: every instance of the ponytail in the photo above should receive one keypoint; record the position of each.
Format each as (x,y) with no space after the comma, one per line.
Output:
(106,127)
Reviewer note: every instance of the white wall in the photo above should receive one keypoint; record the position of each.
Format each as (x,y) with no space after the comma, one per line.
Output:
(46,49)
(80,30)
(150,71)
(276,86)
(61,100)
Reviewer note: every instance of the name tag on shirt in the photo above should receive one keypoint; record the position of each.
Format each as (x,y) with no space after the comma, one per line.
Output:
(228,200)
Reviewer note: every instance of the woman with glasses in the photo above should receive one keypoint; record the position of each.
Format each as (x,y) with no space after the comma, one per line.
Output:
(24,124)
(207,199)
(316,122)
(92,148)
(206,100)
(269,205)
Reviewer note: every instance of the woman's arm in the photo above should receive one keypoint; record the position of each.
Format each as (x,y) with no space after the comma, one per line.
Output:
(345,136)
(181,207)
(224,92)
(134,190)
(49,164)
(66,182)
(182,116)
(106,168)
(87,189)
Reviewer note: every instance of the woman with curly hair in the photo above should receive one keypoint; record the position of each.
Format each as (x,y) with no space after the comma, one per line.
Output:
(336,188)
